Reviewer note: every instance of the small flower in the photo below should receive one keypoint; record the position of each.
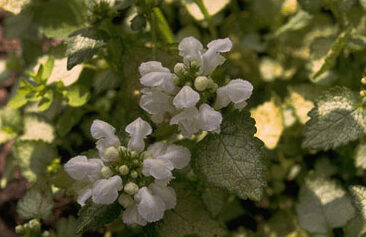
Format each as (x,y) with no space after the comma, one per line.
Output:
(83,169)
(237,91)
(192,51)
(150,207)
(85,195)
(105,191)
(156,103)
(179,156)
(188,121)
(186,98)
(138,130)
(105,135)
(158,168)
(132,216)
(210,119)
(153,74)
(167,194)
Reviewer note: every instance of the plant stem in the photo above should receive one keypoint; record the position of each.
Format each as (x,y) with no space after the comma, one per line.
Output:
(163,25)
(208,18)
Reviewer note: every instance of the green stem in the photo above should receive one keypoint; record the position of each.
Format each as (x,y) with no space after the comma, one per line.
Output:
(163,25)
(208,18)
(153,32)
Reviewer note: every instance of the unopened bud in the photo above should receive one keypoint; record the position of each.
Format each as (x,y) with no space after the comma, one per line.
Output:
(201,83)
(179,68)
(134,154)
(19,229)
(111,153)
(123,149)
(363,93)
(106,172)
(131,188)
(134,174)
(176,80)
(136,161)
(123,170)
(46,234)
(35,225)
(125,200)
(363,81)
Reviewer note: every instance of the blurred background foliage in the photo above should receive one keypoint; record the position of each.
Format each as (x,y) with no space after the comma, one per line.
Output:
(65,63)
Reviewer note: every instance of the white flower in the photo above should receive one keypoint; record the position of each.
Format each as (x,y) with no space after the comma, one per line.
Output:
(156,103)
(210,119)
(105,191)
(192,51)
(150,207)
(237,91)
(212,58)
(138,130)
(83,169)
(188,121)
(132,216)
(153,74)
(179,156)
(85,195)
(105,135)
(167,194)
(158,168)
(186,98)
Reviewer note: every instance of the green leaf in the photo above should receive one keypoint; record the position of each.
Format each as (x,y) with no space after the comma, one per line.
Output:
(82,45)
(92,216)
(360,156)
(36,128)
(325,63)
(234,159)
(19,26)
(323,204)
(33,157)
(48,67)
(296,22)
(359,199)
(77,95)
(337,119)
(67,227)
(67,120)
(355,228)
(46,100)
(188,218)
(17,101)
(214,199)
(37,203)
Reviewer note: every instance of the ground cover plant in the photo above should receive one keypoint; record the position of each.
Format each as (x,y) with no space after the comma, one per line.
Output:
(182,118)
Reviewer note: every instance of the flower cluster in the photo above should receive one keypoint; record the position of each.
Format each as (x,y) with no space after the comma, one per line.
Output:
(170,97)
(138,179)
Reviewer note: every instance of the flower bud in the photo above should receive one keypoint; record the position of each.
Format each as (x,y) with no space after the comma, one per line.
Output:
(201,83)
(123,170)
(134,154)
(363,93)
(179,68)
(176,80)
(106,172)
(135,161)
(111,153)
(19,229)
(131,188)
(363,81)
(46,234)
(134,174)
(125,200)
(35,225)
(123,149)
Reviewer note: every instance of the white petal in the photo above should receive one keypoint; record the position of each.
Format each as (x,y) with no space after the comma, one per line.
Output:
(152,66)
(80,168)
(156,103)
(212,58)
(150,207)
(167,194)
(186,98)
(188,121)
(138,130)
(220,45)
(157,168)
(158,148)
(179,156)
(161,80)
(102,130)
(190,49)
(132,216)
(222,98)
(105,191)
(210,119)
(239,90)
(84,196)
